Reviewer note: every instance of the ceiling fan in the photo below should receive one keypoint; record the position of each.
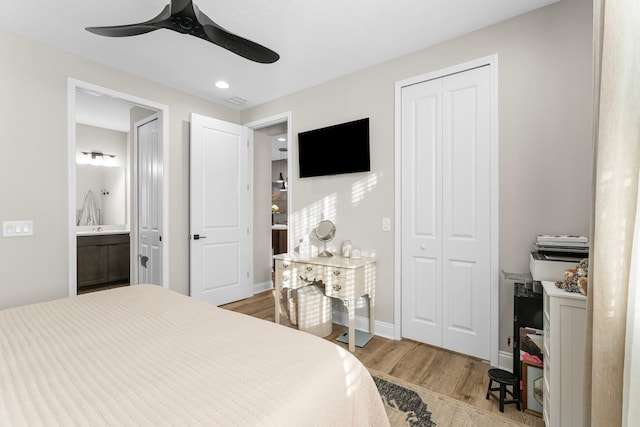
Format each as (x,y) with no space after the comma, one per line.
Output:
(185,17)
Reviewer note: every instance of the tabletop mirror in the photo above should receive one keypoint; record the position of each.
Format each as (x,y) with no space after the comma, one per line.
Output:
(325,231)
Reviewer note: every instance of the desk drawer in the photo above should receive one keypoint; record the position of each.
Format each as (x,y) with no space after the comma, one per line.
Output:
(338,282)
(284,273)
(309,273)
(296,274)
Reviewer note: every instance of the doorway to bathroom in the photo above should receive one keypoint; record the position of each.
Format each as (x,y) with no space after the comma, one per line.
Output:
(272,196)
(118,223)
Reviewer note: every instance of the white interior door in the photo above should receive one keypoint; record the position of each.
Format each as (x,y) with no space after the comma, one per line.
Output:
(422,212)
(221,211)
(149,190)
(446,212)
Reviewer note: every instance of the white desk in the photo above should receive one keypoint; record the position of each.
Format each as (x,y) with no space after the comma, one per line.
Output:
(344,278)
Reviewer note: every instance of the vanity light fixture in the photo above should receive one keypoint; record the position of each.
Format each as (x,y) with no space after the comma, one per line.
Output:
(95,158)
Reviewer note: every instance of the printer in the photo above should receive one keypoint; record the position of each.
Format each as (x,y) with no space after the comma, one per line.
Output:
(552,255)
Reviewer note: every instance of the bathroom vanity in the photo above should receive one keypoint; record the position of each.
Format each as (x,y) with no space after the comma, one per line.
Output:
(103,259)
(279,239)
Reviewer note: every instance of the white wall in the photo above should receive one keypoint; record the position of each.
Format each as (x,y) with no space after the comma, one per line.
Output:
(33,165)
(261,207)
(545,150)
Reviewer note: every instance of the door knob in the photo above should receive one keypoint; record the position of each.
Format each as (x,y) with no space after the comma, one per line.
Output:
(423,247)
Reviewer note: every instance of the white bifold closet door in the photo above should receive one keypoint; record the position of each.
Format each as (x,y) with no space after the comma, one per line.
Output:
(446,212)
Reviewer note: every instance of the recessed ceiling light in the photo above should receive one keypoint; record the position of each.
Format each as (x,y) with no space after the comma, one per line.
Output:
(221,84)
(281,139)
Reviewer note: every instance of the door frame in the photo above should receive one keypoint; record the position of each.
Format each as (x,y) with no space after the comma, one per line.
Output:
(284,117)
(73,85)
(492,62)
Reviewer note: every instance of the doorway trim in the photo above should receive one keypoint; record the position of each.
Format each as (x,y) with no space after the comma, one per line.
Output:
(74,85)
(492,62)
(284,117)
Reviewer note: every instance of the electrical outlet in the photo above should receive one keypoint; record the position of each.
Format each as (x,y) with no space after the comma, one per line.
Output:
(509,339)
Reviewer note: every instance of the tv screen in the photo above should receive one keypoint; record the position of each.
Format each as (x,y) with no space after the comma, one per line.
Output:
(335,150)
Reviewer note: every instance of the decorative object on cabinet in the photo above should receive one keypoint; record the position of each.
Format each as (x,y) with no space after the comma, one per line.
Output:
(532,388)
(575,279)
(325,231)
(346,248)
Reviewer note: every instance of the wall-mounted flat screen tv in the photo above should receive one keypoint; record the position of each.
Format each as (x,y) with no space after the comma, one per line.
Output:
(335,150)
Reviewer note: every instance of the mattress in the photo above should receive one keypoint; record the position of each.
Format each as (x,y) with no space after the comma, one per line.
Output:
(144,355)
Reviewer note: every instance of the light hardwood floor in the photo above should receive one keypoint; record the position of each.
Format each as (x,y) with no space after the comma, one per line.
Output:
(460,377)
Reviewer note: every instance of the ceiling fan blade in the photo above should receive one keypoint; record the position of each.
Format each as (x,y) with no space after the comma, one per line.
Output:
(178,6)
(240,46)
(132,29)
(184,17)
(122,30)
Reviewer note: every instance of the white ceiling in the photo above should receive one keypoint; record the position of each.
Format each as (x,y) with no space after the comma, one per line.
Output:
(102,111)
(318,40)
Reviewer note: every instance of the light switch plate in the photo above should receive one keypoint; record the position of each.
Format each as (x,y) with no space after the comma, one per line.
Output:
(386,224)
(17,228)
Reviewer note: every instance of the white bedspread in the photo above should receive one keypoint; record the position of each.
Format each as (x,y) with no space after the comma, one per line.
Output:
(143,355)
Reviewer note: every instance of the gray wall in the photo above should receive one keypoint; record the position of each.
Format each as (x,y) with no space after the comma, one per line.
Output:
(545,98)
(33,165)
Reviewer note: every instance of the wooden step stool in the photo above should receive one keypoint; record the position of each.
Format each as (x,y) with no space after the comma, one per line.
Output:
(504,379)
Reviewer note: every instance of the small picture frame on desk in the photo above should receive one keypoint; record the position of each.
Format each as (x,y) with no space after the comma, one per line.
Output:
(532,388)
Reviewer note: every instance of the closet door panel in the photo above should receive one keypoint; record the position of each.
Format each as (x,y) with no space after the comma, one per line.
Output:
(422,216)
(466,212)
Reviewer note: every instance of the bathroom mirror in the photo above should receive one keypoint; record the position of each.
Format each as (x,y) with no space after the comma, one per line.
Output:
(101,195)
(325,231)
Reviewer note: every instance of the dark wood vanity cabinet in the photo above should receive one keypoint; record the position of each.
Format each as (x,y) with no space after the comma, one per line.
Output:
(279,241)
(103,259)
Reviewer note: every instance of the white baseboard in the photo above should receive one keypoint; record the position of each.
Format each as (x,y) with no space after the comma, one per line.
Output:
(261,287)
(505,360)
(382,329)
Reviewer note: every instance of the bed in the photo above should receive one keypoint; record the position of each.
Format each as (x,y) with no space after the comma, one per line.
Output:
(144,355)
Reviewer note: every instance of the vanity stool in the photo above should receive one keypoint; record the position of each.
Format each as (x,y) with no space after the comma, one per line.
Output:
(504,379)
